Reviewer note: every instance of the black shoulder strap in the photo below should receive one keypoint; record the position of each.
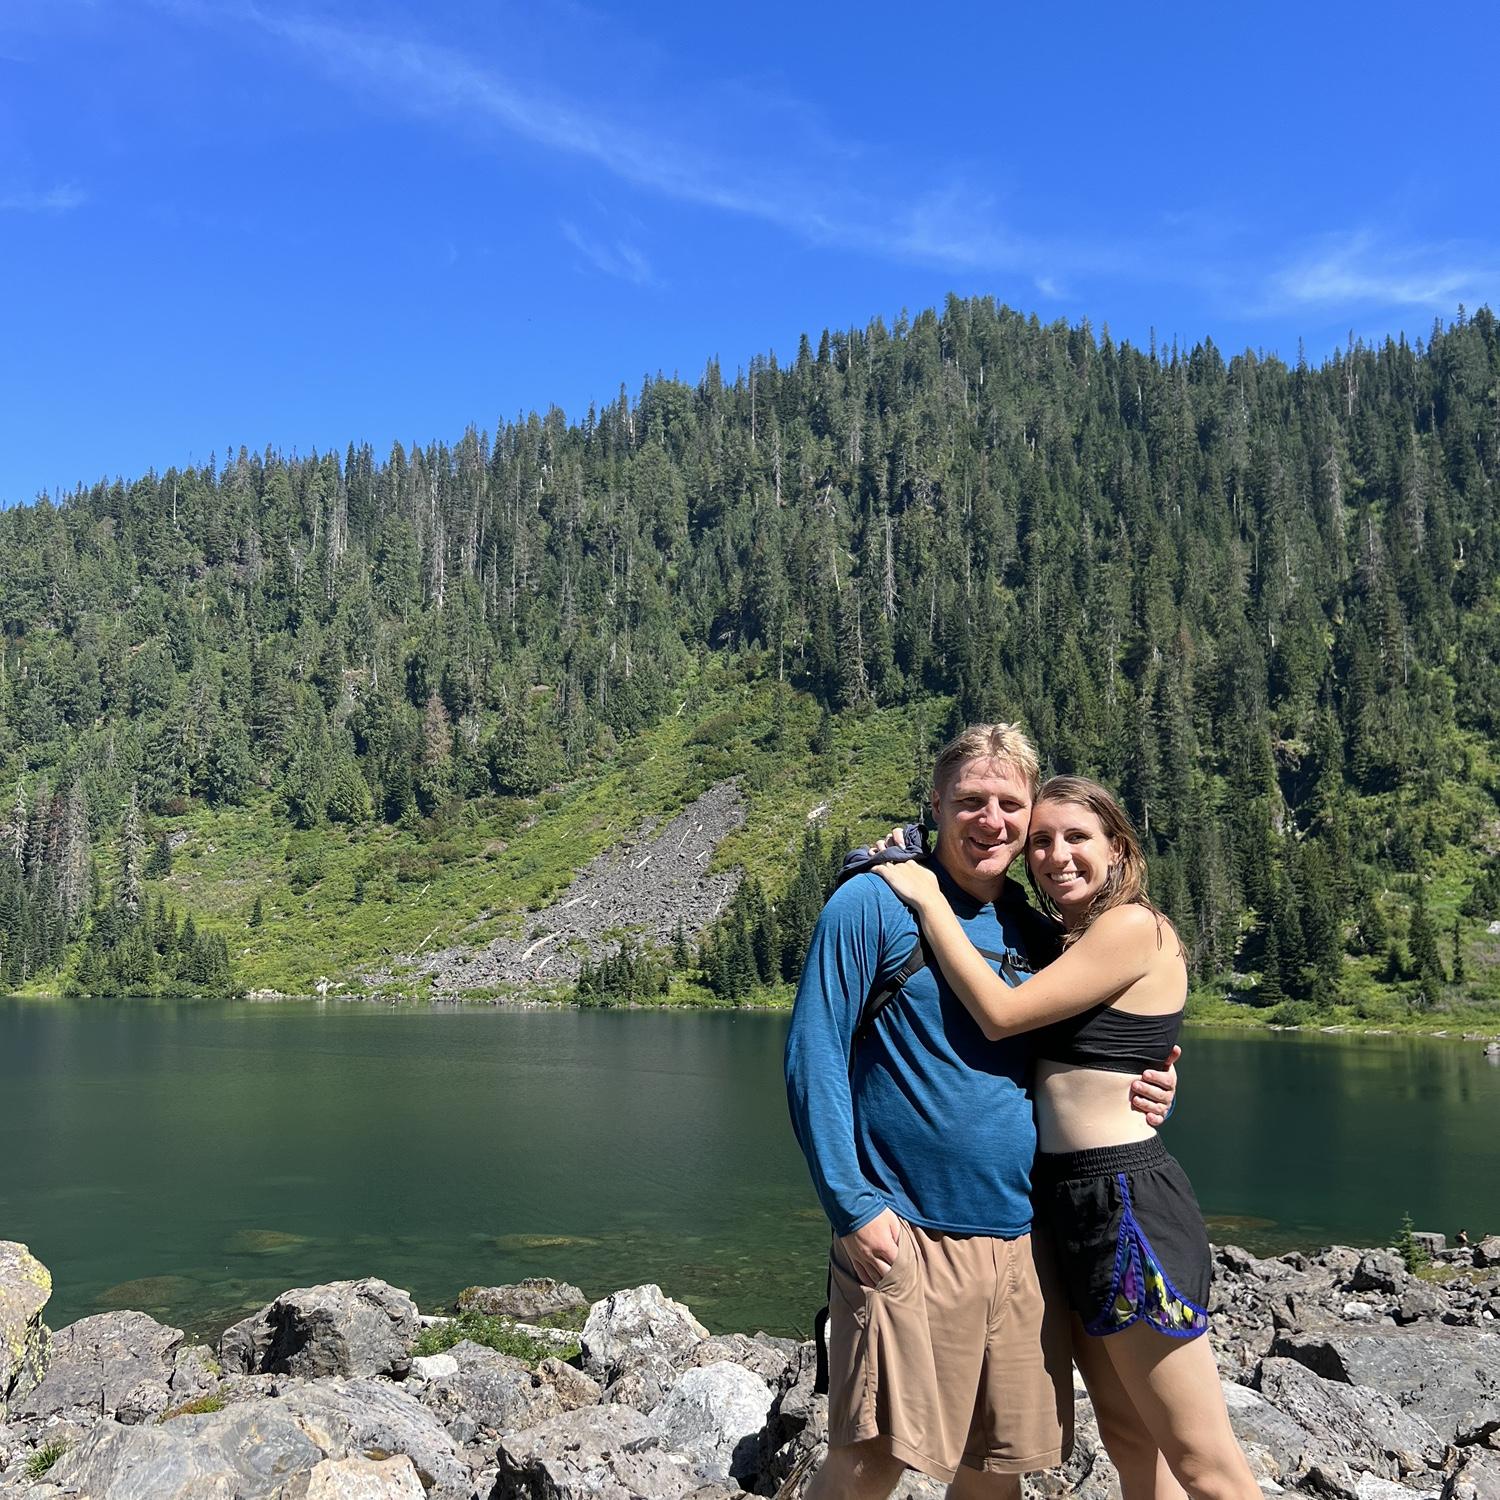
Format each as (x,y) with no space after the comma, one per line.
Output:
(914,962)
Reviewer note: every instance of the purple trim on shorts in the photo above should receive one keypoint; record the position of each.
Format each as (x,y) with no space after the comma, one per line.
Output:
(1141,1288)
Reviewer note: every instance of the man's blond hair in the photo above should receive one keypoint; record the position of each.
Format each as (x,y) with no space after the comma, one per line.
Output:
(1007,743)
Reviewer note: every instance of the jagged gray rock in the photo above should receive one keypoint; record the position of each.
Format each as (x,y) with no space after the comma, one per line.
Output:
(1477,1477)
(362,1327)
(116,1364)
(357,1478)
(247,1452)
(25,1286)
(1347,1423)
(633,1341)
(489,1393)
(1448,1376)
(526,1300)
(608,1452)
(716,1414)
(358,1415)
(1273,1442)
(1379,1271)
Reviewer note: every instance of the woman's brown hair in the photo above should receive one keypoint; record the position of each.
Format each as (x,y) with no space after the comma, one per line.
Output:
(1126,880)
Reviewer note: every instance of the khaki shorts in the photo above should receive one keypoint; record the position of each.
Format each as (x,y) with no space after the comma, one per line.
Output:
(954,1357)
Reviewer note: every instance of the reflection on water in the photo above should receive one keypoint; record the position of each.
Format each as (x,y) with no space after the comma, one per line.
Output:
(194,1160)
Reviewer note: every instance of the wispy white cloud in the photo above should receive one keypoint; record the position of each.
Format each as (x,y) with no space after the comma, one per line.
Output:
(54,200)
(619,258)
(810,196)
(1362,269)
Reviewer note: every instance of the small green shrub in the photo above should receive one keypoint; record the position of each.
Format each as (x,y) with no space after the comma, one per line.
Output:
(39,1462)
(493,1333)
(1414,1254)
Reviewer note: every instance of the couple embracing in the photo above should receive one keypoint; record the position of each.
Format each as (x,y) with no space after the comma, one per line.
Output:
(953,1326)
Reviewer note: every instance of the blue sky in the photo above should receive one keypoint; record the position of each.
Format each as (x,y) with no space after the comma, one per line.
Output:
(297,223)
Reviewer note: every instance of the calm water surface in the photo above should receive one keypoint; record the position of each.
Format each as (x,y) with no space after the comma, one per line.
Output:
(194,1159)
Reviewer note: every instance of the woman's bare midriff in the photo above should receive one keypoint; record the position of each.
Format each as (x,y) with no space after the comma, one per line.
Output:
(1078,1108)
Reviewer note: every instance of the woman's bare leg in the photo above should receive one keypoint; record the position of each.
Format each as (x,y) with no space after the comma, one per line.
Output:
(1174,1385)
(1143,1469)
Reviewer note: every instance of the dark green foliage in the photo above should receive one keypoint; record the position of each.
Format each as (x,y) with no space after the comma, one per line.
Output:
(631,973)
(159,861)
(257,913)
(1260,601)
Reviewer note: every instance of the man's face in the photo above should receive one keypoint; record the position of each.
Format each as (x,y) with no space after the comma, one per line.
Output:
(982,815)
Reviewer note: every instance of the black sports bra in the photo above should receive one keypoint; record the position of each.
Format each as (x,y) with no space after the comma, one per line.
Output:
(1114,1040)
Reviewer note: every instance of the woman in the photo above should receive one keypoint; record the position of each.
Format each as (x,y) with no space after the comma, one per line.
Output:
(1125,1227)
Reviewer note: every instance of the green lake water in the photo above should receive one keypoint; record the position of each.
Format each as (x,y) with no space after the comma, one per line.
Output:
(194,1159)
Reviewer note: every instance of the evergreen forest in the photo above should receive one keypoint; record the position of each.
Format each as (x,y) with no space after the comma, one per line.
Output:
(255,714)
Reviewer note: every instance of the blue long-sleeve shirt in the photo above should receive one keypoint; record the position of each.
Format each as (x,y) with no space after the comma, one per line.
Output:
(934,1121)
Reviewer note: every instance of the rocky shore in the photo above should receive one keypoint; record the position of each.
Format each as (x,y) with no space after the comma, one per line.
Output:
(1347,1378)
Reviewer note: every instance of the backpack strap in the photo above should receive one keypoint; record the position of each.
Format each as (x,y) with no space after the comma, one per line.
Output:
(914,962)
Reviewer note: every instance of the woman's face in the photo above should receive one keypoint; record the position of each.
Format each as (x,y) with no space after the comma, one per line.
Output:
(1069,854)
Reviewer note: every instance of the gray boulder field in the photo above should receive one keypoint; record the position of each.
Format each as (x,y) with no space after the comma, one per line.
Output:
(1346,1376)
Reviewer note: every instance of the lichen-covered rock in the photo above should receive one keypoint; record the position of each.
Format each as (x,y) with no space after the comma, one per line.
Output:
(716,1414)
(354,1328)
(25,1286)
(639,1330)
(1273,1442)
(116,1364)
(524,1301)
(609,1452)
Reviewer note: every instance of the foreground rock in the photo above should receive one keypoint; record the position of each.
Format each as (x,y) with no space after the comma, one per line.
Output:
(1345,1377)
(25,1286)
(344,1328)
(118,1365)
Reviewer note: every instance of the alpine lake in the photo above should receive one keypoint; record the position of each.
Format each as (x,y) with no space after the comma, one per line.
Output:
(193,1159)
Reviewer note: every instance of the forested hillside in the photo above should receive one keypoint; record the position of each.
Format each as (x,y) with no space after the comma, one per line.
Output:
(1259,600)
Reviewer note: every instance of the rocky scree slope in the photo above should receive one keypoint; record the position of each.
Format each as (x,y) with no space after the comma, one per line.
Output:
(644,886)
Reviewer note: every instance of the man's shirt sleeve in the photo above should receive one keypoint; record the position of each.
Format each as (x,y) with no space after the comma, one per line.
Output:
(842,962)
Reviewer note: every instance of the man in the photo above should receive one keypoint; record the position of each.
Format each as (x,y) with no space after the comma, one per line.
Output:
(946,1355)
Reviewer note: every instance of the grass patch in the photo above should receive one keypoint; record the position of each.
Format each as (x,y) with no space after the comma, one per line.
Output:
(39,1462)
(199,1407)
(494,1333)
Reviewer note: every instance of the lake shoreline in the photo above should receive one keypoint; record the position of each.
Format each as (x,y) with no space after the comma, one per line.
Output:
(512,1002)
